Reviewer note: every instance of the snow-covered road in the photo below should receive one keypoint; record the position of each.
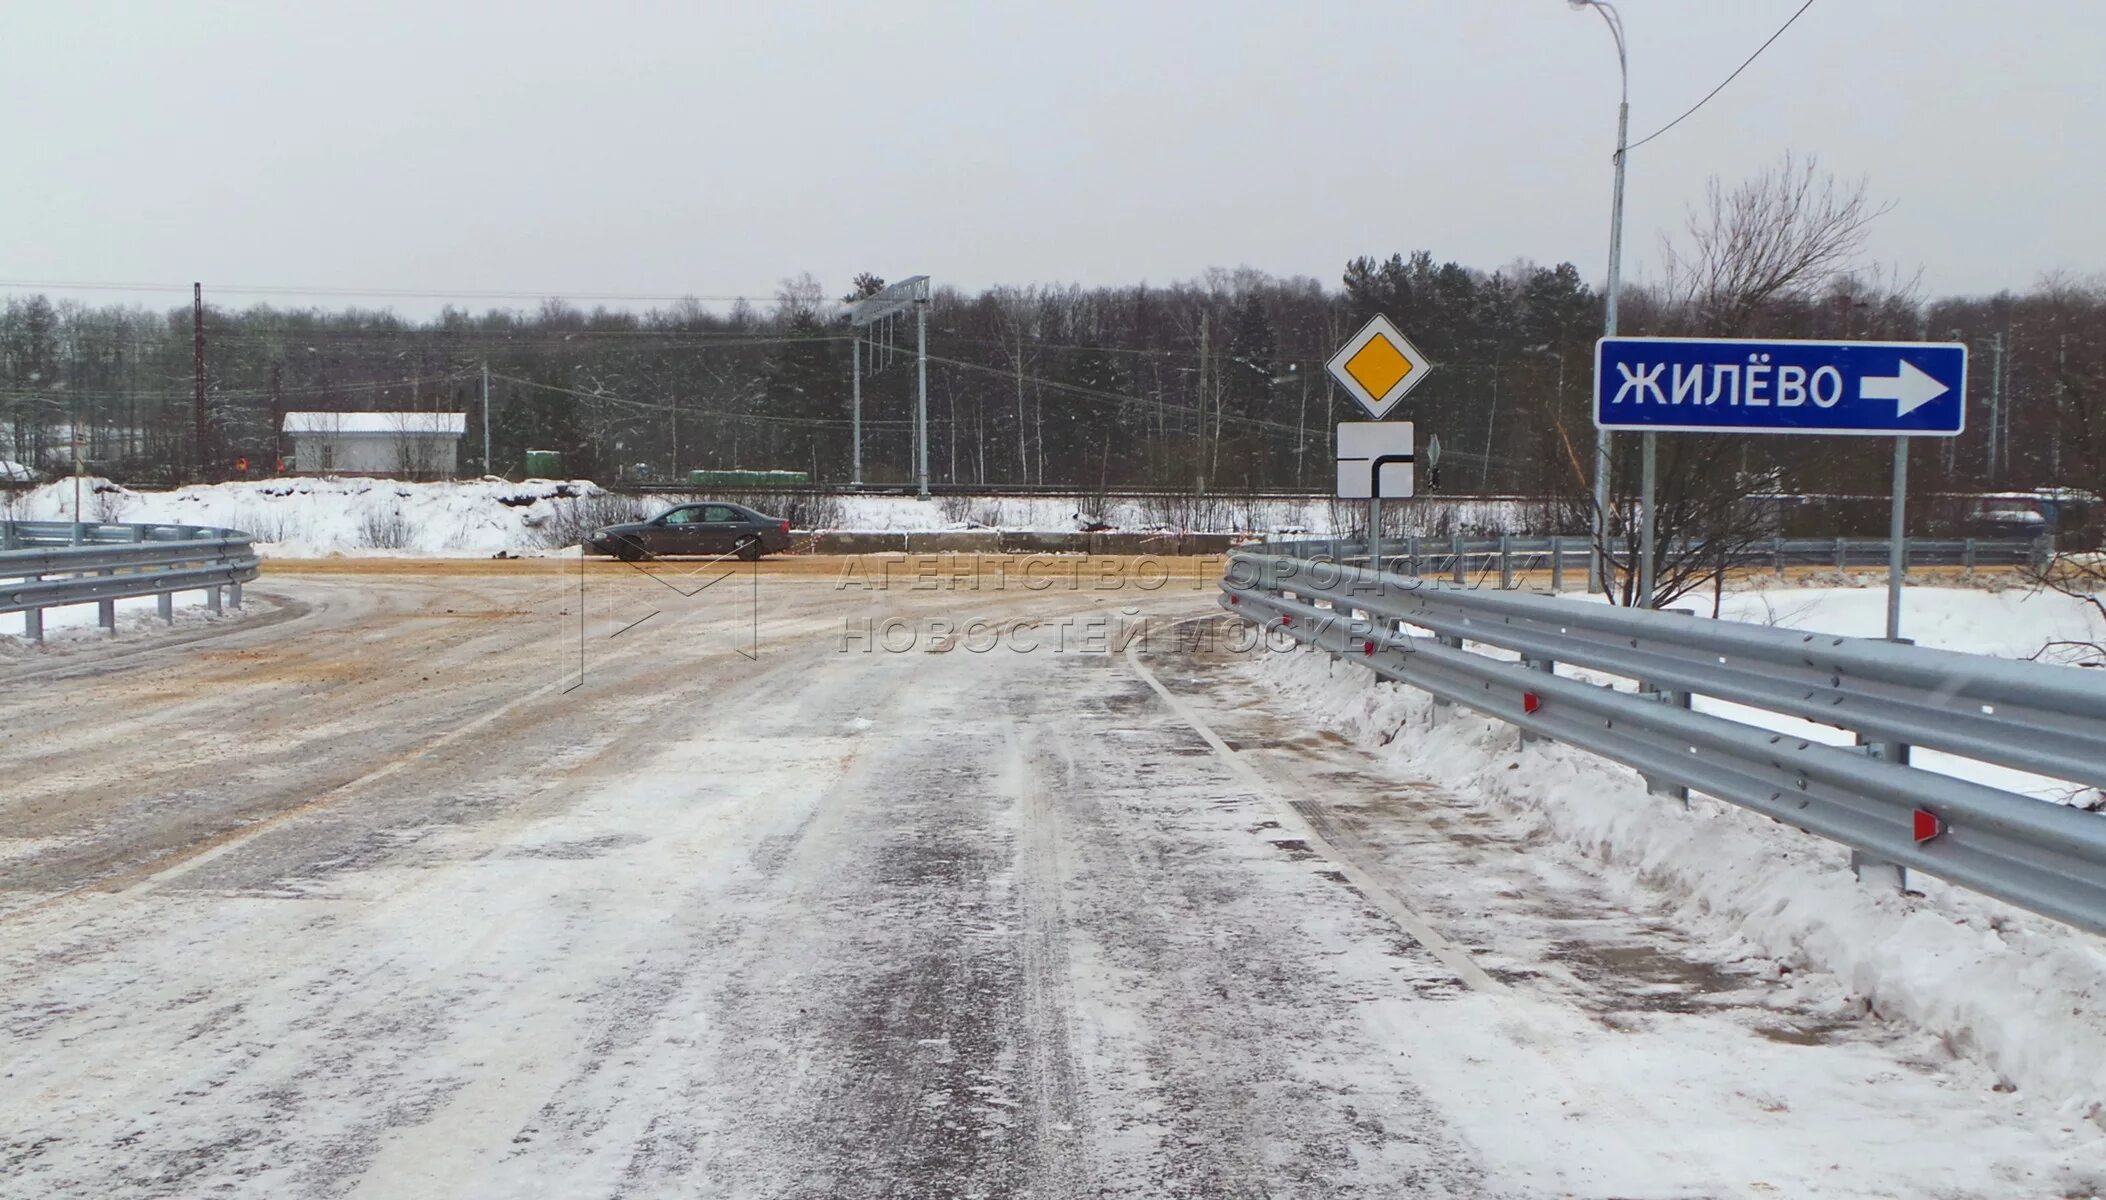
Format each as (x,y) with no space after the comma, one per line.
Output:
(374,897)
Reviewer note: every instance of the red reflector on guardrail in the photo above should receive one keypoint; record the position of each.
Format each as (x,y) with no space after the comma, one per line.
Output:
(1530,702)
(1367,647)
(1235,599)
(1928,826)
(1286,619)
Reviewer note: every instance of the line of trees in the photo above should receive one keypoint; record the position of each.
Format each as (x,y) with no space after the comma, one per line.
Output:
(1214,383)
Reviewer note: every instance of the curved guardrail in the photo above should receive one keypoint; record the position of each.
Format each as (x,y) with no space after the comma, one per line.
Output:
(1447,638)
(52,564)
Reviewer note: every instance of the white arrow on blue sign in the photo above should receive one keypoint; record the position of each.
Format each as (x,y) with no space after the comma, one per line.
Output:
(1727,385)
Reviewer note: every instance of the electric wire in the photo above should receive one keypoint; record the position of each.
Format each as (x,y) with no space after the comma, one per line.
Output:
(1722,85)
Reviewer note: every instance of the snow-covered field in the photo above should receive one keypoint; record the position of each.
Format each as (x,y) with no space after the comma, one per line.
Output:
(2017,993)
(314,517)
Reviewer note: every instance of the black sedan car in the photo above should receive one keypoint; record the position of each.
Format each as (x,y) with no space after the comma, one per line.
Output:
(711,528)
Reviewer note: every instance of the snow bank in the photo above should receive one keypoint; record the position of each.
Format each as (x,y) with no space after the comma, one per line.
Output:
(2022,995)
(311,518)
(314,517)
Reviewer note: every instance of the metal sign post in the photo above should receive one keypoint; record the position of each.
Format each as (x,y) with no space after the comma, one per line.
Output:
(1375,461)
(1731,385)
(1897,556)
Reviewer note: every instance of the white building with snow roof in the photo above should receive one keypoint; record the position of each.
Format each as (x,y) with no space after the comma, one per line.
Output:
(402,445)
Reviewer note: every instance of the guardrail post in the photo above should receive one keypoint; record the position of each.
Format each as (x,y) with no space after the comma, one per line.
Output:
(1653,784)
(1871,870)
(33,624)
(1456,544)
(1842,556)
(1967,557)
(9,539)
(1878,872)
(166,603)
(1656,786)
(1557,564)
(234,593)
(1548,667)
(1433,715)
(212,599)
(1506,563)
(2042,553)
(1777,556)
(1411,553)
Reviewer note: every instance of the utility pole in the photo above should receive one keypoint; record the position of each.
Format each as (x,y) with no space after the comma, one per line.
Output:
(921,390)
(1023,454)
(486,420)
(277,417)
(1199,452)
(197,399)
(855,450)
(1996,406)
(2061,405)
(1596,573)
(1491,424)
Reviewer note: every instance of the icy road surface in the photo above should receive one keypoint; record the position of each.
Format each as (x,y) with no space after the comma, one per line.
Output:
(364,898)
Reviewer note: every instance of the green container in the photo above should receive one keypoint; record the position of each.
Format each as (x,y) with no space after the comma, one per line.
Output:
(544,464)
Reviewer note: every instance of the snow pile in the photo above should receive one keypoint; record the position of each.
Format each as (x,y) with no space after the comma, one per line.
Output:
(312,517)
(316,517)
(2020,994)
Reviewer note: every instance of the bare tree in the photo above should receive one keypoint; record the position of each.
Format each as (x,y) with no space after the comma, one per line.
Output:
(1789,232)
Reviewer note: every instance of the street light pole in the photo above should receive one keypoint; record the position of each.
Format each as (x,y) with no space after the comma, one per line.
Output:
(1596,577)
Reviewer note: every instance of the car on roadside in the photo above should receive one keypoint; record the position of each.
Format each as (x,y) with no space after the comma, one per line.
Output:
(2011,516)
(706,528)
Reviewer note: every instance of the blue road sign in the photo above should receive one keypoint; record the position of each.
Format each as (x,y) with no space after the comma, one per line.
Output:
(1726,385)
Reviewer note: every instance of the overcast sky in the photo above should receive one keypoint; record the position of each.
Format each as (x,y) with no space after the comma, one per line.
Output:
(713,147)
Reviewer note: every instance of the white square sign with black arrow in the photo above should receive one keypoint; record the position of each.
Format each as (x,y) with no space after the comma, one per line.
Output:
(1371,452)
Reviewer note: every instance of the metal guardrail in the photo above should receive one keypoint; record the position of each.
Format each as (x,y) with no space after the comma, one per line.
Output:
(1509,557)
(51,564)
(2035,717)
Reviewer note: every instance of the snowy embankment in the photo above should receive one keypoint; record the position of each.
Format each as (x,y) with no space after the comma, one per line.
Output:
(315,517)
(307,518)
(2020,994)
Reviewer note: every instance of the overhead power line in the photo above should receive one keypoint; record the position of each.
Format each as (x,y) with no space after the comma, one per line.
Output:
(1115,397)
(1722,85)
(649,406)
(62,394)
(408,293)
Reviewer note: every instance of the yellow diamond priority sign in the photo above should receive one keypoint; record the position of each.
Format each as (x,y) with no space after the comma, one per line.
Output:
(1377,366)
